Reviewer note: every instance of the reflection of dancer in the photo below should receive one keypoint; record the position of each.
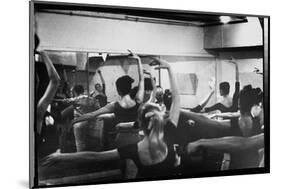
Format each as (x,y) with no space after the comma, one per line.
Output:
(99,93)
(248,124)
(149,88)
(125,109)
(226,101)
(227,104)
(233,145)
(154,155)
(81,104)
(205,101)
(159,97)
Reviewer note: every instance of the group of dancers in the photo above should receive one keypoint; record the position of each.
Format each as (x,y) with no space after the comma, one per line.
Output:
(148,121)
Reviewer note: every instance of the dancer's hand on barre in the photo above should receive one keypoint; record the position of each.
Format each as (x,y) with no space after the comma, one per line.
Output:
(133,56)
(162,64)
(232,60)
(146,72)
(53,159)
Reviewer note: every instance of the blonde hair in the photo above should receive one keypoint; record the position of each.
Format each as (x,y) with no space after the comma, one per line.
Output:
(152,120)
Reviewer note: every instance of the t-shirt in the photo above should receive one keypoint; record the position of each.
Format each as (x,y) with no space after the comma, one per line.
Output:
(161,169)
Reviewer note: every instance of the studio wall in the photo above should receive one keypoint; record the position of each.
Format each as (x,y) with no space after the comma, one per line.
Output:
(64,32)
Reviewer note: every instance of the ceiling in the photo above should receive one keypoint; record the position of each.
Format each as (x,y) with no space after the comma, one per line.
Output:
(177,17)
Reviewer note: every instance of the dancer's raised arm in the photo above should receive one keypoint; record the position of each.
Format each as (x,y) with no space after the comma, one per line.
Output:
(153,94)
(50,91)
(102,81)
(175,107)
(208,97)
(140,93)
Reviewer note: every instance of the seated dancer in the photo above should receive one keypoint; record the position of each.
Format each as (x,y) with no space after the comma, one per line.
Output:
(125,109)
(226,101)
(248,124)
(204,102)
(227,104)
(99,93)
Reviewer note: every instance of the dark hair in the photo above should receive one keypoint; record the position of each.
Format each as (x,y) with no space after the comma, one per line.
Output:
(79,89)
(249,97)
(148,84)
(167,91)
(167,99)
(97,84)
(37,41)
(124,84)
(224,87)
(66,89)
(133,92)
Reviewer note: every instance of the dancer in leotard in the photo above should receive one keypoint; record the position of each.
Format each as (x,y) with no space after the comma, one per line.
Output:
(154,155)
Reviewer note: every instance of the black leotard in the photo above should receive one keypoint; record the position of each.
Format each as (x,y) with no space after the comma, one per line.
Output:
(161,169)
(125,114)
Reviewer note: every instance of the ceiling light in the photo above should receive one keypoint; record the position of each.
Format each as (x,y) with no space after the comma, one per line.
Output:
(225,19)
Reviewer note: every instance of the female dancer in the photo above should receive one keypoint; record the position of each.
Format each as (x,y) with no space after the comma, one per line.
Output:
(228,104)
(125,109)
(50,92)
(42,102)
(248,124)
(99,92)
(154,154)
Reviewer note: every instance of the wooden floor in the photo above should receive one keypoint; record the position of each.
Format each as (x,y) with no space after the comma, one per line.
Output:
(65,173)
(110,175)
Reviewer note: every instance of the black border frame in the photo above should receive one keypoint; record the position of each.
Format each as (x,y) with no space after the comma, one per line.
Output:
(33,182)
